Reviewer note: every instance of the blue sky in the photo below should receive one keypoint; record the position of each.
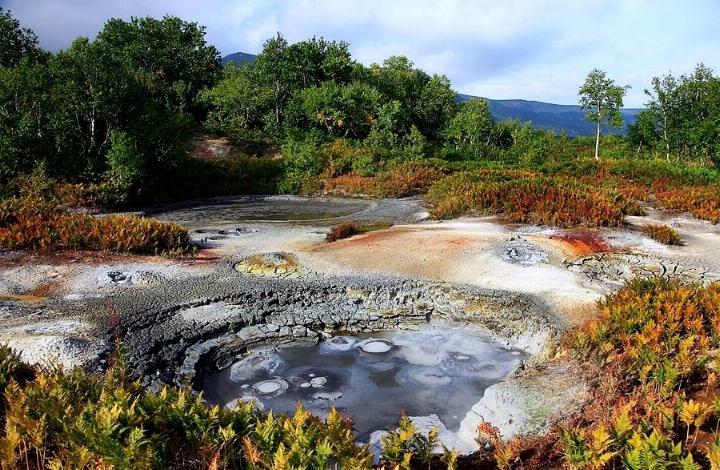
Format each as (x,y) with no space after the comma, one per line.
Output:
(532,49)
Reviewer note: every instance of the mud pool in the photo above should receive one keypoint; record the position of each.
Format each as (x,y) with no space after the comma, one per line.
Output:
(232,210)
(442,370)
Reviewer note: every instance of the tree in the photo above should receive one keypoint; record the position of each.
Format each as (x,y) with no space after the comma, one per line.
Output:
(662,104)
(472,126)
(237,104)
(286,69)
(340,110)
(688,113)
(169,57)
(603,100)
(25,109)
(644,130)
(436,104)
(16,42)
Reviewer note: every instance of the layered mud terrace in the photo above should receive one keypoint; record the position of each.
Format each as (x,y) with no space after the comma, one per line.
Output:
(207,332)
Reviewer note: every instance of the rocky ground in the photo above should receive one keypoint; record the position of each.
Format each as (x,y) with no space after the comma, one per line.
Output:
(265,277)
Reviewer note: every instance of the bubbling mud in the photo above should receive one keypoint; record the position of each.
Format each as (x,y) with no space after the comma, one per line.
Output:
(441,369)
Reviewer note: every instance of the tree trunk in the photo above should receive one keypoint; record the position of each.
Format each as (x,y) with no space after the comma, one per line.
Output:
(665,137)
(597,141)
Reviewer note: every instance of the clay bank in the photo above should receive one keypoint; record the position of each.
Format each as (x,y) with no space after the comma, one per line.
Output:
(456,322)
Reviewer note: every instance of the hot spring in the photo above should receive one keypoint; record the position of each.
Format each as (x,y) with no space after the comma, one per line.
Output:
(440,369)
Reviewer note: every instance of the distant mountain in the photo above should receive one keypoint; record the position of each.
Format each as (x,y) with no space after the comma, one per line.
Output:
(239,58)
(555,117)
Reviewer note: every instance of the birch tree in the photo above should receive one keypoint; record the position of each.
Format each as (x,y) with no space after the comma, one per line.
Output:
(602,99)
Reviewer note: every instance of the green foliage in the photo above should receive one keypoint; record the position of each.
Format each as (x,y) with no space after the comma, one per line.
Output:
(16,42)
(339,110)
(237,105)
(602,100)
(471,129)
(404,444)
(686,111)
(125,168)
(643,132)
(302,164)
(139,79)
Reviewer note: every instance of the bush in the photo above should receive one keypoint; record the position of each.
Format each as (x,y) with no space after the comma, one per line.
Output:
(302,164)
(36,224)
(522,196)
(78,420)
(12,370)
(338,232)
(701,201)
(406,179)
(220,176)
(654,349)
(348,229)
(662,233)
(126,167)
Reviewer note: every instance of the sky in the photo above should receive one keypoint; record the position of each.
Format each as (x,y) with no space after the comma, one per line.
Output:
(502,49)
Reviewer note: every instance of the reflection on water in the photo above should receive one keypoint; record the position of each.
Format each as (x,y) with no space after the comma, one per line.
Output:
(441,369)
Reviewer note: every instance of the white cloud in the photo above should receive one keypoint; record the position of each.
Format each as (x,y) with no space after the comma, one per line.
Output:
(534,49)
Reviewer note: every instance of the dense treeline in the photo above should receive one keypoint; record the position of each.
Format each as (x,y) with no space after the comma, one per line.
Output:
(682,120)
(121,111)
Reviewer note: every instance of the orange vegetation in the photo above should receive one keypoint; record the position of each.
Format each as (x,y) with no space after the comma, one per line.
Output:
(583,242)
(543,200)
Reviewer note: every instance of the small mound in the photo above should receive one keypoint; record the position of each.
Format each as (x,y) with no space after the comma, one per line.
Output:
(375,346)
(269,264)
(256,364)
(271,387)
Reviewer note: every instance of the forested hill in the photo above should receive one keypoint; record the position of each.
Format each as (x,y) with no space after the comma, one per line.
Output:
(555,117)
(239,58)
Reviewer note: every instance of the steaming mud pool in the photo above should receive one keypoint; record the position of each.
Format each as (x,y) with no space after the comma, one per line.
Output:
(442,370)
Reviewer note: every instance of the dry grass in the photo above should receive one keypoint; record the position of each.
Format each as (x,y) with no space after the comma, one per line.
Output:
(663,234)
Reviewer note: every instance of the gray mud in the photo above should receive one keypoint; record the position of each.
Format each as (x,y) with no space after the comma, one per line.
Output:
(372,378)
(237,209)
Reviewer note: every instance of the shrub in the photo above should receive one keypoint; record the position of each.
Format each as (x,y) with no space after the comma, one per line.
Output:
(653,348)
(524,197)
(218,176)
(406,179)
(662,233)
(126,167)
(35,224)
(338,232)
(348,229)
(702,202)
(302,164)
(12,370)
(79,420)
